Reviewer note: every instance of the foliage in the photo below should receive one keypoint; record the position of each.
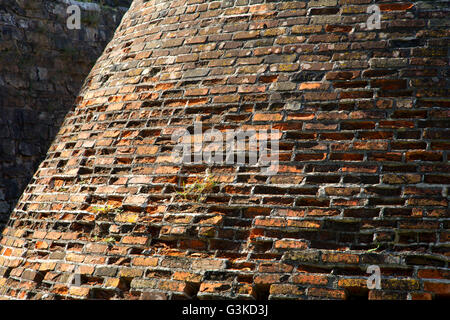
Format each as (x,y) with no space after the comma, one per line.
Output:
(106,209)
(374,249)
(198,189)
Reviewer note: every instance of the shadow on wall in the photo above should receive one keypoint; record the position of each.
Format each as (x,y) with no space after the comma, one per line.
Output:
(42,67)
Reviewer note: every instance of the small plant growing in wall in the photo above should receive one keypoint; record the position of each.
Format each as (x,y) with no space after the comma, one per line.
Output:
(106,209)
(102,210)
(84,182)
(91,20)
(62,189)
(110,241)
(198,189)
(374,249)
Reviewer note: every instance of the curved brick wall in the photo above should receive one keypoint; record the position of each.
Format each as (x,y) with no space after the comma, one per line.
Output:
(363,116)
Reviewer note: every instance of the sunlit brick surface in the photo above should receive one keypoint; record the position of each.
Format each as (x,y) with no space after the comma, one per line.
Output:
(363,159)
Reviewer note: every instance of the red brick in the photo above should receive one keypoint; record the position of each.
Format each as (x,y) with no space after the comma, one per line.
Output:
(395,6)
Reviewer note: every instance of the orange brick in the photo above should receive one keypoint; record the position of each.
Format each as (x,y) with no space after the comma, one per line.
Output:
(267,117)
(149,262)
(290,244)
(267,279)
(310,279)
(79,291)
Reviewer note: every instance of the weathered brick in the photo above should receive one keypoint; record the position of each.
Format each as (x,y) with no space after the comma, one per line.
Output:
(286,289)
(340,258)
(326,293)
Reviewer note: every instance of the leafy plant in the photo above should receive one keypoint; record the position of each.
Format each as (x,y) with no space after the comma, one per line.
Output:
(84,182)
(109,240)
(91,20)
(198,188)
(106,209)
(374,249)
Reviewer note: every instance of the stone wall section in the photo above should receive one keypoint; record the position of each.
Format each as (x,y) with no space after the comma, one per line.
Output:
(42,67)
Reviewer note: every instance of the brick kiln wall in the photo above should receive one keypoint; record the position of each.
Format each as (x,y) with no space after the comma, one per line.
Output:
(42,67)
(363,116)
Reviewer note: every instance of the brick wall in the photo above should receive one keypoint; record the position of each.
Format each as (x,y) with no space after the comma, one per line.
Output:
(42,67)
(362,181)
